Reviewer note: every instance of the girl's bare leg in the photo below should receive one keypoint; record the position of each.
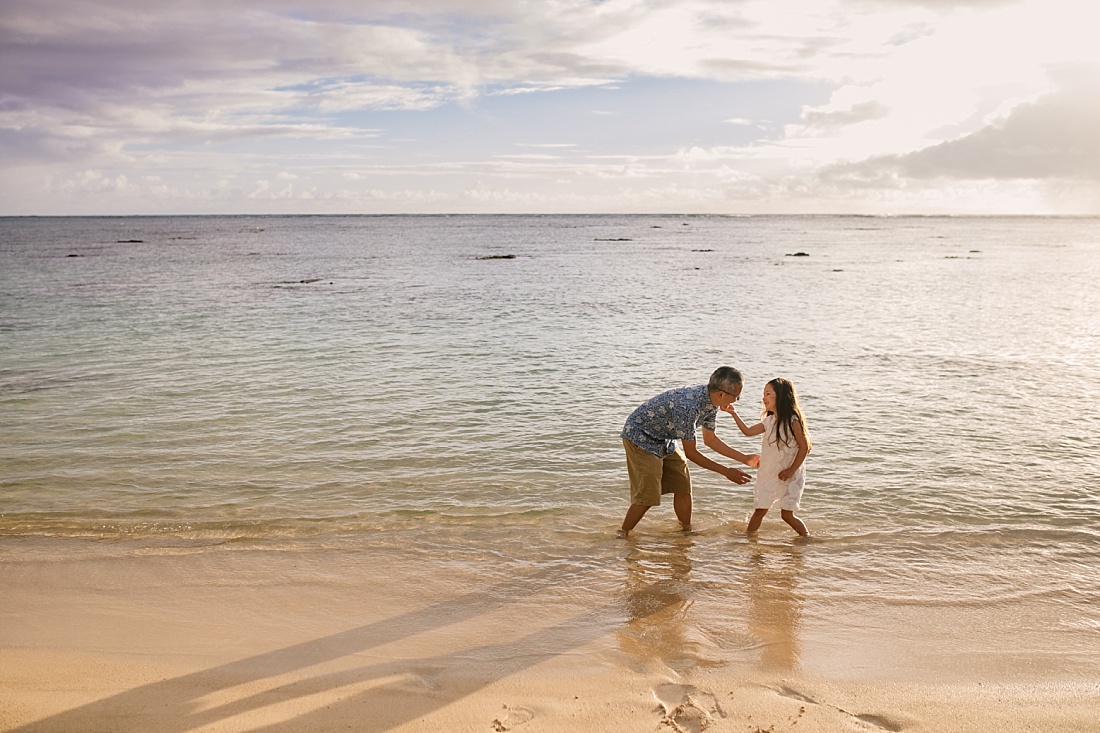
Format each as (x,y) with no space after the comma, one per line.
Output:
(754,522)
(795,522)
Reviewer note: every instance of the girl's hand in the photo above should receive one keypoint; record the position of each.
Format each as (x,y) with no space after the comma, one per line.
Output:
(785,474)
(753,460)
(729,408)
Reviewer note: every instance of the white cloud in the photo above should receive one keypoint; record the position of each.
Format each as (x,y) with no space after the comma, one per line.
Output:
(91,181)
(149,104)
(853,115)
(1054,136)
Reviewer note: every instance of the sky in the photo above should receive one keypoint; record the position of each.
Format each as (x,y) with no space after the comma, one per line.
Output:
(737,107)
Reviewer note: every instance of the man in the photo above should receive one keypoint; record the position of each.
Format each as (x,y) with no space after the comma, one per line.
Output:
(655,465)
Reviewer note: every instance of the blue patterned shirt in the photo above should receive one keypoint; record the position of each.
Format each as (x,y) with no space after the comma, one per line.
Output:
(658,423)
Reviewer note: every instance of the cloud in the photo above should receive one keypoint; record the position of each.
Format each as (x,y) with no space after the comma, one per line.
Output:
(1052,137)
(83,80)
(91,181)
(935,4)
(861,112)
(751,101)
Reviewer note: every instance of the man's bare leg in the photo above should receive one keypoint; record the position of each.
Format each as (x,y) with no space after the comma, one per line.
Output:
(681,502)
(633,515)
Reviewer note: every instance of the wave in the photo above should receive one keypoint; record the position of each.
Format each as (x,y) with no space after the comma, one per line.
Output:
(105,525)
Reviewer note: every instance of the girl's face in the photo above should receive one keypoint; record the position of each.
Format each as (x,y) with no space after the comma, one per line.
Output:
(769,398)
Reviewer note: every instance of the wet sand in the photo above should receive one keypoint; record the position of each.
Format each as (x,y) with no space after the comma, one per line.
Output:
(199,641)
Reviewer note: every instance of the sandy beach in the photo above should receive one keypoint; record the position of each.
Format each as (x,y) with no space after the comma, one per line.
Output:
(268,641)
(343,474)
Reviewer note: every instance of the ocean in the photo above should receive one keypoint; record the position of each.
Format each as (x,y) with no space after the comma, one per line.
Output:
(449,391)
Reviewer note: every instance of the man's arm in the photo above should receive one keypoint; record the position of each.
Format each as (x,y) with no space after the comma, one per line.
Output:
(735,475)
(716,444)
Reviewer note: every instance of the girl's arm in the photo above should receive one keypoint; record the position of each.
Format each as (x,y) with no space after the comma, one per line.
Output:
(757,429)
(803,449)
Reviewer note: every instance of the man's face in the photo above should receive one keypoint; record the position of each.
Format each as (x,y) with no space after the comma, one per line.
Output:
(725,399)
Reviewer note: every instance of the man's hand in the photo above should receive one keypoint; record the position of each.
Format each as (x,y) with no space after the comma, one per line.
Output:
(753,459)
(735,475)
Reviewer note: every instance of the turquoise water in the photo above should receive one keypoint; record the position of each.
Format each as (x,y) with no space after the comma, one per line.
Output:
(195,383)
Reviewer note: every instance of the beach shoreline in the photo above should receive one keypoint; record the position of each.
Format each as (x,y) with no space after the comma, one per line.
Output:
(294,473)
(292,641)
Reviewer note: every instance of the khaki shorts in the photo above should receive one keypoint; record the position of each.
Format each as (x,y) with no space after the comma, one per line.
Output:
(651,476)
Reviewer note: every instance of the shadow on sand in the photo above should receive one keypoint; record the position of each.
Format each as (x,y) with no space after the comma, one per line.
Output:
(396,693)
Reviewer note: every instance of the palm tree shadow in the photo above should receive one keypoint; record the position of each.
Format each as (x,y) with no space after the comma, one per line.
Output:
(391,705)
(178,705)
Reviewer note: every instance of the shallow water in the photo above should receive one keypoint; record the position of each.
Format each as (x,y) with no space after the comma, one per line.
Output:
(375,385)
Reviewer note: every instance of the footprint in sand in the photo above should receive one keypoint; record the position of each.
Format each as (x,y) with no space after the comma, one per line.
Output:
(880,722)
(686,709)
(796,695)
(512,717)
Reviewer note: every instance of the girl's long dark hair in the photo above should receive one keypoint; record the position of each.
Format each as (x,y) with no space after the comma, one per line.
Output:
(786,410)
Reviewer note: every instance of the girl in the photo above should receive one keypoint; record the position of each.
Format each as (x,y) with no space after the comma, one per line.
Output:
(786,443)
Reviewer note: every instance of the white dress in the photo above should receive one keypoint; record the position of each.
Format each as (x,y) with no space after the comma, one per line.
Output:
(773,459)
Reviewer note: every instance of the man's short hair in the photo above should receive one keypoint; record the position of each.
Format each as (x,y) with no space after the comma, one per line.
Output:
(726,379)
